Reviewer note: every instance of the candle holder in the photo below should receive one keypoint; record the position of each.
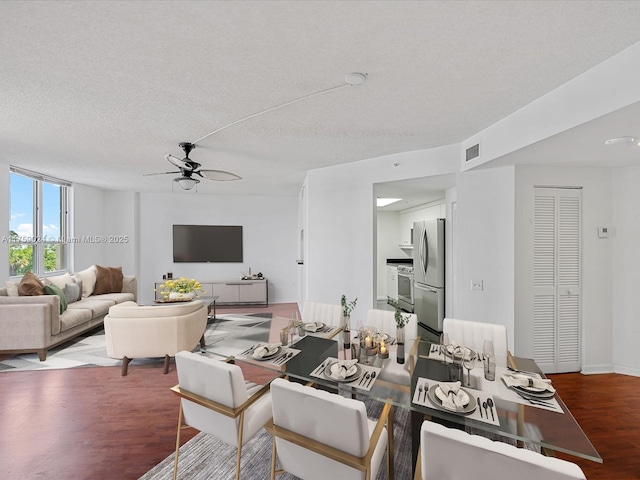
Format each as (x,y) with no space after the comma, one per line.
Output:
(383,355)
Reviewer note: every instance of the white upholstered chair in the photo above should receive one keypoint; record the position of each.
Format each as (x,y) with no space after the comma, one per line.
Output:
(385,321)
(319,435)
(326,313)
(140,331)
(452,454)
(216,400)
(473,334)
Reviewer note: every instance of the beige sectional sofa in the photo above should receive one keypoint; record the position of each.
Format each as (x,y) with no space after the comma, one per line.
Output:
(33,323)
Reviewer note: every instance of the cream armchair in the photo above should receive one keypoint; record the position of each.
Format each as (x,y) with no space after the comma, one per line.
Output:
(136,331)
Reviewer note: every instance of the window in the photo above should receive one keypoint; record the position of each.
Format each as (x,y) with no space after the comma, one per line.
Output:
(38,223)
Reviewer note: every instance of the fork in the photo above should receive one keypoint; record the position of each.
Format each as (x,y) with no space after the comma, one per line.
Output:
(419,391)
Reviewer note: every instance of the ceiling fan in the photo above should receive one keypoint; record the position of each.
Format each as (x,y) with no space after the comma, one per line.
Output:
(188,168)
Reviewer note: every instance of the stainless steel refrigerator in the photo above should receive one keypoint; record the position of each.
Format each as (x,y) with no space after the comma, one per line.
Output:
(428,276)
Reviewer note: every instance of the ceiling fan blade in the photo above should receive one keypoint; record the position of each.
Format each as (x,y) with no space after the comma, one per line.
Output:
(161,173)
(178,162)
(218,175)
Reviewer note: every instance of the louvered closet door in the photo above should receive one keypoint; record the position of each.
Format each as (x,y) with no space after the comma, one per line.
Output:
(557,279)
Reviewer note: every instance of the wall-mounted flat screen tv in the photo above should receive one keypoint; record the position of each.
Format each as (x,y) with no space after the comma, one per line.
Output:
(207,243)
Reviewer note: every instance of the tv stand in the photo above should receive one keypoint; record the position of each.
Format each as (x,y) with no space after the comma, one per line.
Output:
(232,291)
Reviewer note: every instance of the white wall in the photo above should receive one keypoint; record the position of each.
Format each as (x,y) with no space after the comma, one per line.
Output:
(269,239)
(596,259)
(340,224)
(626,270)
(120,229)
(485,200)
(88,215)
(387,239)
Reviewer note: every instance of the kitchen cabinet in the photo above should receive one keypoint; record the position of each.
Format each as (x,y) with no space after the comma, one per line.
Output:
(392,282)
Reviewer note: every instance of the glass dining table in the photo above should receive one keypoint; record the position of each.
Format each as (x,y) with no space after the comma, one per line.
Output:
(493,409)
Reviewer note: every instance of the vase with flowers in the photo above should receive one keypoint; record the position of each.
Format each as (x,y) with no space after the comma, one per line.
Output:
(181,289)
(347,308)
(401,322)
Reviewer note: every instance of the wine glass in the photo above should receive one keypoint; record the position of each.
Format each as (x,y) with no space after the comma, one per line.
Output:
(469,362)
(487,349)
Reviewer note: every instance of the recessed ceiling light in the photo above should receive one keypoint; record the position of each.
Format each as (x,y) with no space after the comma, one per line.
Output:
(355,78)
(613,141)
(383,202)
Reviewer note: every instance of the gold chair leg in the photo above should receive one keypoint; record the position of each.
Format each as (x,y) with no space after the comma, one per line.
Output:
(175,462)
(273,459)
(390,460)
(166,363)
(239,445)
(125,364)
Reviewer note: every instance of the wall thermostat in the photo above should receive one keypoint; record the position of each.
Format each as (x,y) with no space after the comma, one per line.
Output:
(603,232)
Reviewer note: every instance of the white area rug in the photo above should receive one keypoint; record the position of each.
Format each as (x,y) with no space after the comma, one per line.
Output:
(90,350)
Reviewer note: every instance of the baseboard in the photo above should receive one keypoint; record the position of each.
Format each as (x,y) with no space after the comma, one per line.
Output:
(597,369)
(635,372)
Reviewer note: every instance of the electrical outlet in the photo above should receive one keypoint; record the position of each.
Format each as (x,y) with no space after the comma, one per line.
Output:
(477,284)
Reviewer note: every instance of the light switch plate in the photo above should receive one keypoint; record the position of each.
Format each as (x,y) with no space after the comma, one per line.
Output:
(477,284)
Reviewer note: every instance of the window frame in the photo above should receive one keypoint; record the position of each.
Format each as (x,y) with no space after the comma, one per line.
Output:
(39,242)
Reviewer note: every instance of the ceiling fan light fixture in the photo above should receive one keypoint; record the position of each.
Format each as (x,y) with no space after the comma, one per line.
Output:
(186,183)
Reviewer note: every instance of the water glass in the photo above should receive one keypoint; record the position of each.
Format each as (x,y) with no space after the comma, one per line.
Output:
(489,360)
(355,351)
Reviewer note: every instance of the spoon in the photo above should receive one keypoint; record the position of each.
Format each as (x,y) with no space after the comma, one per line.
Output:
(486,414)
(490,403)
(373,375)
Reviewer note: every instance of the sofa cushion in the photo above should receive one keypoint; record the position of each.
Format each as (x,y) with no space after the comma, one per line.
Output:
(88,279)
(73,317)
(73,292)
(58,280)
(97,306)
(12,288)
(108,280)
(116,297)
(30,285)
(55,290)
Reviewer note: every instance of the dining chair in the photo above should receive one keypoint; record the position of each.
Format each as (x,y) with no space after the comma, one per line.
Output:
(385,321)
(448,454)
(326,313)
(473,334)
(216,400)
(319,435)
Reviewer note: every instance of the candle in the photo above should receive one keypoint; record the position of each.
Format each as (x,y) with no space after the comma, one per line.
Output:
(383,349)
(367,342)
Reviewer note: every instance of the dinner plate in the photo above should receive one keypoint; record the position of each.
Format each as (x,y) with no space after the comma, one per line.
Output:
(313,329)
(468,408)
(527,393)
(266,357)
(348,378)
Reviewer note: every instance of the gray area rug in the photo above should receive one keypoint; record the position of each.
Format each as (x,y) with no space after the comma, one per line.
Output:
(90,350)
(205,458)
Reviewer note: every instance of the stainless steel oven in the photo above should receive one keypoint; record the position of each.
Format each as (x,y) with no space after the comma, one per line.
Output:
(405,288)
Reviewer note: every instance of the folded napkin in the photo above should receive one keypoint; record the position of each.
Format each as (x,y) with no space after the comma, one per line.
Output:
(452,396)
(452,349)
(343,368)
(313,326)
(520,380)
(265,350)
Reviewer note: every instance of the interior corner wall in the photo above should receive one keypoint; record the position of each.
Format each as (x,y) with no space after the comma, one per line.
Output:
(4,220)
(485,208)
(341,213)
(120,230)
(88,226)
(596,341)
(625,236)
(269,238)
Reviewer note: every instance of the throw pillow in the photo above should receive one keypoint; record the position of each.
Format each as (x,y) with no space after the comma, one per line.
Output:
(59,280)
(108,280)
(88,278)
(104,283)
(73,292)
(12,288)
(30,285)
(55,290)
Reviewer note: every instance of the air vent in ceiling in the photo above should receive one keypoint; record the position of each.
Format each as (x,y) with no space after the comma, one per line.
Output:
(473,152)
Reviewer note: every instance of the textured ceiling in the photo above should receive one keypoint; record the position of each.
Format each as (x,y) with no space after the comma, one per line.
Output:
(99,92)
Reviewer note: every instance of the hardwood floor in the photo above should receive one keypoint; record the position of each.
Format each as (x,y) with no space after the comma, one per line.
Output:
(92,423)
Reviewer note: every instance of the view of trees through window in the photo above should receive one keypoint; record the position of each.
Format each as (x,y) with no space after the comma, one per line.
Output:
(38,226)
